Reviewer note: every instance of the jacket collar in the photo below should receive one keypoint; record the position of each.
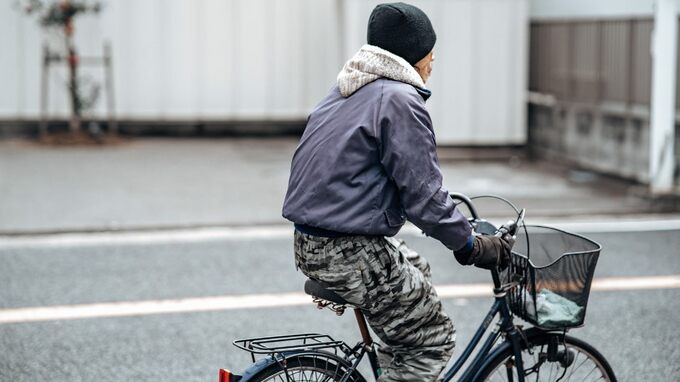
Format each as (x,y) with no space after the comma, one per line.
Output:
(425,93)
(371,63)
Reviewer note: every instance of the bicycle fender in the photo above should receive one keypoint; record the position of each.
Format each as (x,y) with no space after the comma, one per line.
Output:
(255,368)
(529,334)
(263,363)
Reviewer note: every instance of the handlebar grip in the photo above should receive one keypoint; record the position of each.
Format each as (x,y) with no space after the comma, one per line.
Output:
(508,228)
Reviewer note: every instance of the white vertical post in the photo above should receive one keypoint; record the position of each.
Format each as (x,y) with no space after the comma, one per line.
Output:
(341,14)
(662,118)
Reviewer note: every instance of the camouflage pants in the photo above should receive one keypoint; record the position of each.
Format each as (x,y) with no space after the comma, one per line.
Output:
(391,285)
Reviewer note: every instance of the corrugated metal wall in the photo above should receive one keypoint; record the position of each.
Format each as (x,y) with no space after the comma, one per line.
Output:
(215,60)
(592,61)
(177,59)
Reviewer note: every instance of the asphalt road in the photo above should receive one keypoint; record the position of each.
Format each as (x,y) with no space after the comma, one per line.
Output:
(636,330)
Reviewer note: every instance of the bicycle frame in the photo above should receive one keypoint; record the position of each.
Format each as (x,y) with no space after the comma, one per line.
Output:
(505,325)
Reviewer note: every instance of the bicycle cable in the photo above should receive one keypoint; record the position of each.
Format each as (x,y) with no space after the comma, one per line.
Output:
(490,196)
(526,233)
(566,354)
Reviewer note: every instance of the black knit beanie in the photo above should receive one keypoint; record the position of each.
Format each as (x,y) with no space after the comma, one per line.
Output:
(401,29)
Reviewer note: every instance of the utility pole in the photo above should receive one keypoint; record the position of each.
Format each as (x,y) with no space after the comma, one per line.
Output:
(662,116)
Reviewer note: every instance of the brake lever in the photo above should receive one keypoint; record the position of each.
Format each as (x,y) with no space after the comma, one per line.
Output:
(511,226)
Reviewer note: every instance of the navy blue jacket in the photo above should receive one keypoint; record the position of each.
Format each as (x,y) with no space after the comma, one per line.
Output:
(367,163)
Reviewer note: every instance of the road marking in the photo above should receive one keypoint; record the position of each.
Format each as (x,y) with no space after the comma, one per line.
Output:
(282,231)
(219,303)
(636,283)
(616,226)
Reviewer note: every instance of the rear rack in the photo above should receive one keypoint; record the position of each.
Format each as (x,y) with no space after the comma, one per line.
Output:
(294,342)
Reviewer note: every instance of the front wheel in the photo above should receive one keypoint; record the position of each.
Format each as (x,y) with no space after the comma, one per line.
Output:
(306,368)
(550,358)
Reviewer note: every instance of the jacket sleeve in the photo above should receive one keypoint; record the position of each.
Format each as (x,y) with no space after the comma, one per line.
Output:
(409,157)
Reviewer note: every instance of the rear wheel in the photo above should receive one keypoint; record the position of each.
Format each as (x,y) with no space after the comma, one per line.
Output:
(306,368)
(567,359)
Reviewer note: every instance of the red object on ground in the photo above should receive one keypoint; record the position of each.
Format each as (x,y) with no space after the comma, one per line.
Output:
(225,375)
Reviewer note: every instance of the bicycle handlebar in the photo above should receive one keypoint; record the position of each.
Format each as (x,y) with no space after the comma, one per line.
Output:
(509,228)
(467,201)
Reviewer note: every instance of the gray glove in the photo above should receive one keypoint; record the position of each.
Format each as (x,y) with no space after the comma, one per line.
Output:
(488,252)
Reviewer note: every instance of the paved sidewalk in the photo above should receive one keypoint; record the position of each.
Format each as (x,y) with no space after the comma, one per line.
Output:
(174,183)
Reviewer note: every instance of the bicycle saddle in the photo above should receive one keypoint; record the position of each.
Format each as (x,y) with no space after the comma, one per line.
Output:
(318,289)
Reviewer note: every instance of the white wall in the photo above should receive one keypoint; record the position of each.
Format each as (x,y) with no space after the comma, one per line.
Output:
(580,9)
(177,59)
(273,60)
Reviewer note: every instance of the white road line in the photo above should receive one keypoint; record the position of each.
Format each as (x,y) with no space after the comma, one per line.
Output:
(617,226)
(219,303)
(636,283)
(278,232)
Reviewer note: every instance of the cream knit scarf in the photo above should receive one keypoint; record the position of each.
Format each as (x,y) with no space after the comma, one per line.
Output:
(371,63)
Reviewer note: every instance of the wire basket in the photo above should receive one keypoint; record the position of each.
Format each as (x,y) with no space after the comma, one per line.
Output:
(554,269)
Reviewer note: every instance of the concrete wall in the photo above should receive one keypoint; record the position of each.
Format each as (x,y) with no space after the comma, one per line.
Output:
(608,143)
(265,60)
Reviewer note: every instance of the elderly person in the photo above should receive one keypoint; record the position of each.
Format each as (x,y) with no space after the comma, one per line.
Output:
(366,163)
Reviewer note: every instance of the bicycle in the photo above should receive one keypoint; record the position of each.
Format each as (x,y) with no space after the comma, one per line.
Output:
(542,352)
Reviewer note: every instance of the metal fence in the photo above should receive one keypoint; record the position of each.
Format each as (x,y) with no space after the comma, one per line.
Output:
(592,61)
